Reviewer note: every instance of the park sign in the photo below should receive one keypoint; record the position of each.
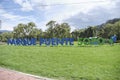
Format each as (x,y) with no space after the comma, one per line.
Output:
(62,41)
(42,41)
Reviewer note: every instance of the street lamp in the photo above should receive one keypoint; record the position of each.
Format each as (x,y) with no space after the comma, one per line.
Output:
(0,28)
(0,23)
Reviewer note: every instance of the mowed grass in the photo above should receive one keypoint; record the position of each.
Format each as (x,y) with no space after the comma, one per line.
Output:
(64,63)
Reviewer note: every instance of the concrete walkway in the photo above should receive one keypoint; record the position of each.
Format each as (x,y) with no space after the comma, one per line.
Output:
(6,74)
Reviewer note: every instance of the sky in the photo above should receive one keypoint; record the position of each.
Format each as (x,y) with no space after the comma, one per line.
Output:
(77,13)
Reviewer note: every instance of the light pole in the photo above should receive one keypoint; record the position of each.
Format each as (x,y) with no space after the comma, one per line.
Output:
(0,28)
(0,24)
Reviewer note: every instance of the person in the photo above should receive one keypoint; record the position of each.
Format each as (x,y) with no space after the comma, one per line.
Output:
(114,38)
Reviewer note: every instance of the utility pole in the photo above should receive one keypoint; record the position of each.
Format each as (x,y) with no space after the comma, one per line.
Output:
(0,23)
(0,28)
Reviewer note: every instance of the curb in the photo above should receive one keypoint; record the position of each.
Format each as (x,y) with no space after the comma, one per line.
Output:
(26,74)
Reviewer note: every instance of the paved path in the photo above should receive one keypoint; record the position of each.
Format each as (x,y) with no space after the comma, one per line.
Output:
(6,74)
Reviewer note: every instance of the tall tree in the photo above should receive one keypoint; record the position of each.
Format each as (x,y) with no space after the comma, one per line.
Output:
(24,30)
(50,31)
(117,29)
(5,36)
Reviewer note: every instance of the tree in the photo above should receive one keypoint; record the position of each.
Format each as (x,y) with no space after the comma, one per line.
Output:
(24,30)
(65,32)
(56,30)
(19,31)
(75,34)
(108,30)
(117,29)
(5,36)
(35,33)
(50,31)
(89,32)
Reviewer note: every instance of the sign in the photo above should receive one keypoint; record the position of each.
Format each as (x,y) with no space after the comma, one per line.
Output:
(94,41)
(47,42)
(63,41)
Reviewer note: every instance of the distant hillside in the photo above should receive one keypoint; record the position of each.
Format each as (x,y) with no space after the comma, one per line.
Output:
(2,31)
(112,21)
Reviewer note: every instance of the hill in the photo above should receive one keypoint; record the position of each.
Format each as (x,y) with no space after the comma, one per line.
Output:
(2,31)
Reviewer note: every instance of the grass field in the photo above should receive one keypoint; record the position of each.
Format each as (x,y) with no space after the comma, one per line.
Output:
(64,63)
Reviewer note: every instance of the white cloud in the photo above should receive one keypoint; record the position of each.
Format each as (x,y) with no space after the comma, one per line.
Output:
(49,10)
(6,26)
(25,4)
(64,11)
(10,20)
(95,16)
(9,16)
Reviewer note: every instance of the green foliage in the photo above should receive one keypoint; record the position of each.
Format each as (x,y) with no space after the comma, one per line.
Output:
(56,30)
(27,31)
(5,36)
(64,63)
(110,28)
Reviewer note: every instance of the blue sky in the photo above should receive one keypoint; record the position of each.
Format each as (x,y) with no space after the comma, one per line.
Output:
(78,13)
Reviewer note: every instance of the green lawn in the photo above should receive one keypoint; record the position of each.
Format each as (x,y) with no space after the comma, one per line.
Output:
(64,63)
